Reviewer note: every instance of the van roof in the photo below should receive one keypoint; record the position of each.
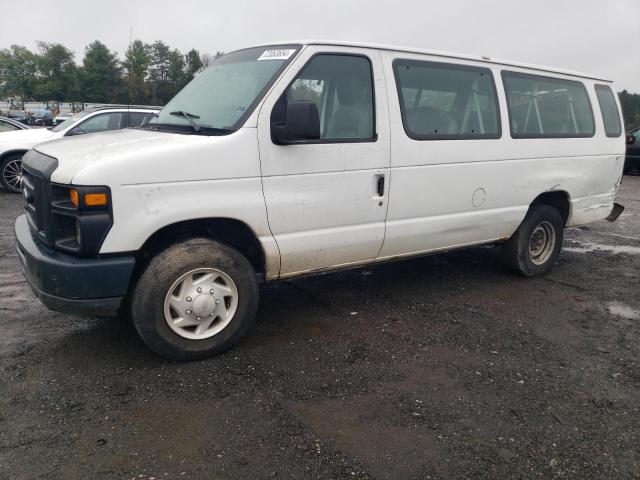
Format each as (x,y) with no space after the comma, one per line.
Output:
(437,53)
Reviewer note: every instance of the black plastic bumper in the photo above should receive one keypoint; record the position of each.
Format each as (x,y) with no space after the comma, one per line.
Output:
(616,211)
(70,284)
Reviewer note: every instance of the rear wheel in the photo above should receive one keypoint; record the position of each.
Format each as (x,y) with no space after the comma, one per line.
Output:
(195,299)
(535,246)
(11,173)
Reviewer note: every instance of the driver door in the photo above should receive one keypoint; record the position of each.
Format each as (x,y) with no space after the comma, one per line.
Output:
(326,199)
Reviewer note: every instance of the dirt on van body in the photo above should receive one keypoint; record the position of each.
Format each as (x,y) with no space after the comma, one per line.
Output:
(440,367)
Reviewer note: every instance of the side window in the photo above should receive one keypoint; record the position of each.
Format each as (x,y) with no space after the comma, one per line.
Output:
(7,127)
(440,101)
(100,123)
(137,119)
(609,110)
(342,88)
(542,107)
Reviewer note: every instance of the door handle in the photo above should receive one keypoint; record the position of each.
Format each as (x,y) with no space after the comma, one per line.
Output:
(380,185)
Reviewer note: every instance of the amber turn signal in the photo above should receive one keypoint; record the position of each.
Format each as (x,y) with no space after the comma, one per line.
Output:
(73,196)
(95,199)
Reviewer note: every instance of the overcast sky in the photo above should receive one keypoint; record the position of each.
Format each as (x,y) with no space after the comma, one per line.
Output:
(601,37)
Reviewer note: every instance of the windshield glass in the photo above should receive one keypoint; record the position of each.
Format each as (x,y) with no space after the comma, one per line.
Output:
(221,97)
(70,121)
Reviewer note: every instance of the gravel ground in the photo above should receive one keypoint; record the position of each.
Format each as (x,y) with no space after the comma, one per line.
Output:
(440,367)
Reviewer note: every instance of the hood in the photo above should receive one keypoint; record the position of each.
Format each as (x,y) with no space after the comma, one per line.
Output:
(25,139)
(104,149)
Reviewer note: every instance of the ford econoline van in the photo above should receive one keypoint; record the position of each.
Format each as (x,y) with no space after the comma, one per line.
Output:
(285,160)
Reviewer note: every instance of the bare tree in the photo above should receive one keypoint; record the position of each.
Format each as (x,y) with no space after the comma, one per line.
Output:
(206,58)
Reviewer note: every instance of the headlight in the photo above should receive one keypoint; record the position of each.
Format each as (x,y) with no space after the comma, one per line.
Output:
(88,198)
(81,217)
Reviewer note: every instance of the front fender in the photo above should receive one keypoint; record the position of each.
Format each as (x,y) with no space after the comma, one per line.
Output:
(141,210)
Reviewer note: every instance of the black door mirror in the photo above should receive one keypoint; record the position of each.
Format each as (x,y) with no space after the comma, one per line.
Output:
(631,139)
(76,131)
(302,123)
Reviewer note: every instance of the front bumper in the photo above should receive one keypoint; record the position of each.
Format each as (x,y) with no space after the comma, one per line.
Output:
(69,284)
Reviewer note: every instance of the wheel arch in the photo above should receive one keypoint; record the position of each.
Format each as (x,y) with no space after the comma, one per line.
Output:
(10,153)
(229,231)
(558,199)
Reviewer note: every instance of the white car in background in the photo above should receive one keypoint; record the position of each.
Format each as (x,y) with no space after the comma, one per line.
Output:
(13,145)
(10,125)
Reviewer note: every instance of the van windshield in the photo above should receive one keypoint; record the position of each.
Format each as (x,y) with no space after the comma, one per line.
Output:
(219,99)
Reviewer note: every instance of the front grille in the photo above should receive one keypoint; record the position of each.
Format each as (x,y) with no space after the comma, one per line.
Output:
(35,196)
(36,174)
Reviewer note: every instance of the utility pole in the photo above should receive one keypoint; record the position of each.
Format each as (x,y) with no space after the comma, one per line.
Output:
(129,75)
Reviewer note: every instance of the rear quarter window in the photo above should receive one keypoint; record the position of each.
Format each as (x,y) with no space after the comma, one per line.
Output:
(609,111)
(546,107)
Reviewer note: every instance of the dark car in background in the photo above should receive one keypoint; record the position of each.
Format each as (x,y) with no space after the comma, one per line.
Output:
(632,158)
(42,118)
(19,116)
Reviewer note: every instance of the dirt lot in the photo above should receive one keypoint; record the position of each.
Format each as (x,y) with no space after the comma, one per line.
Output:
(439,367)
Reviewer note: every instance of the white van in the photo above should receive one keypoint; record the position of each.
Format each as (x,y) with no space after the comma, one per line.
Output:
(281,161)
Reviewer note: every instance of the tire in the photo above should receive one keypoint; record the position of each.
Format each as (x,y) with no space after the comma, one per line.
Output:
(523,252)
(10,173)
(174,332)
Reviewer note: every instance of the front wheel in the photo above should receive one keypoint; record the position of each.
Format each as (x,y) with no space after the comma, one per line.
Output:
(535,246)
(195,300)
(11,173)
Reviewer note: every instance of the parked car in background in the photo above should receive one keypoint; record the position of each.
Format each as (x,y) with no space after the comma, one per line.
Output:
(42,118)
(61,117)
(13,145)
(19,116)
(632,159)
(11,125)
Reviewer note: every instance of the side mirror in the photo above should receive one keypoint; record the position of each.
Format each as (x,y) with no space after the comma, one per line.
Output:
(631,139)
(303,123)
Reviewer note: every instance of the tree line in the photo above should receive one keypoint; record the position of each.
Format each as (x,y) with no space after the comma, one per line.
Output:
(149,74)
(630,103)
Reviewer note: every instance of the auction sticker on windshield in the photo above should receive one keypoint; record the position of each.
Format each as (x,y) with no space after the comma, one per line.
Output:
(277,54)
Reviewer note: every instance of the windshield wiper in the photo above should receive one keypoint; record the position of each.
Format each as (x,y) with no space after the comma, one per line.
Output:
(190,118)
